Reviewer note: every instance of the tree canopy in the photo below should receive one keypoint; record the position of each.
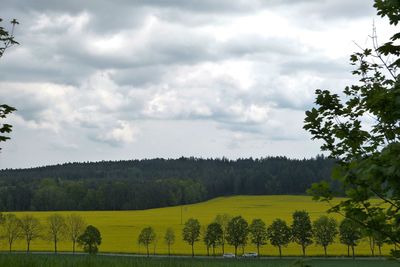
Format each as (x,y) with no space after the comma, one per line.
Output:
(237,232)
(279,234)
(146,237)
(169,238)
(258,232)
(12,229)
(56,229)
(75,226)
(214,235)
(30,228)
(325,231)
(350,234)
(223,220)
(302,230)
(90,239)
(153,183)
(191,232)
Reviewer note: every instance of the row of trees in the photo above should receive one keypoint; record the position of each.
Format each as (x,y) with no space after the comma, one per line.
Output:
(225,229)
(360,129)
(57,228)
(237,232)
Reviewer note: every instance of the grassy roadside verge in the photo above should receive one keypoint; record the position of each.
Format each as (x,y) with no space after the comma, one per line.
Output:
(23,260)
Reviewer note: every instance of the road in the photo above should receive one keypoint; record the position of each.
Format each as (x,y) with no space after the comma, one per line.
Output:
(199,257)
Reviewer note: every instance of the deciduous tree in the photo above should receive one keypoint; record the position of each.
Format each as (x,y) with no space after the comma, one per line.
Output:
(75,227)
(279,234)
(206,239)
(350,234)
(12,229)
(169,238)
(302,230)
(237,232)
(370,235)
(147,237)
(325,231)
(214,235)
(380,240)
(223,220)
(191,232)
(258,232)
(56,229)
(31,229)
(90,239)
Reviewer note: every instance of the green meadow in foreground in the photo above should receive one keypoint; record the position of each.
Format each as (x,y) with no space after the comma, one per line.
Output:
(120,229)
(17,260)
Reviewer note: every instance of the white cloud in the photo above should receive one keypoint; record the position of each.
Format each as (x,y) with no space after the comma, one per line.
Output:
(122,133)
(248,114)
(57,23)
(223,78)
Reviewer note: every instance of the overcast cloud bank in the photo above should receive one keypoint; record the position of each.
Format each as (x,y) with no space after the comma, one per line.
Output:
(97,80)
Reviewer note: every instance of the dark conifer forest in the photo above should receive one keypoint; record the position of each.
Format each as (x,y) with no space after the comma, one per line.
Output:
(151,183)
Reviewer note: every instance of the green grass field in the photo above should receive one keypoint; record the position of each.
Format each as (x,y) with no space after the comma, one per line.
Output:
(106,261)
(120,229)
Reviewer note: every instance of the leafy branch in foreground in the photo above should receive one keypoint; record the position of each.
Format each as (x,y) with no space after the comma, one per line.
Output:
(361,130)
(6,41)
(4,127)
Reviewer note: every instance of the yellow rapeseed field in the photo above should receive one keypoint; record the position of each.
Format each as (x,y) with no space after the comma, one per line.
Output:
(120,229)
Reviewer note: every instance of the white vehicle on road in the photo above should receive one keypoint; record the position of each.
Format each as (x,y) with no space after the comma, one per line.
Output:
(228,255)
(250,255)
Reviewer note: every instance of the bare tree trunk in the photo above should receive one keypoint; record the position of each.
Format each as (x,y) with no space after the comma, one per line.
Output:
(304,250)
(348,251)
(235,250)
(325,251)
(372,245)
(169,249)
(27,246)
(213,247)
(258,250)
(147,248)
(73,247)
(280,251)
(10,245)
(192,250)
(352,249)
(55,246)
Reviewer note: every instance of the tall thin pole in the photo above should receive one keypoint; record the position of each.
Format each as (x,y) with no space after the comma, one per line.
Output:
(181,213)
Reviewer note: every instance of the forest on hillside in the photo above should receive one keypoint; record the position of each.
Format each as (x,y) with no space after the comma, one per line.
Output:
(151,183)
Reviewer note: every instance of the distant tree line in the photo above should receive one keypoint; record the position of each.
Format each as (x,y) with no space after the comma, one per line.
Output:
(56,228)
(237,232)
(143,184)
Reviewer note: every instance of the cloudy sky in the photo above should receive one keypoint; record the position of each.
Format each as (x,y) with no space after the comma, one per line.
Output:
(126,79)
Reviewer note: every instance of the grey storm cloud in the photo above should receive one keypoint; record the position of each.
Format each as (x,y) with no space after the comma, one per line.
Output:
(94,76)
